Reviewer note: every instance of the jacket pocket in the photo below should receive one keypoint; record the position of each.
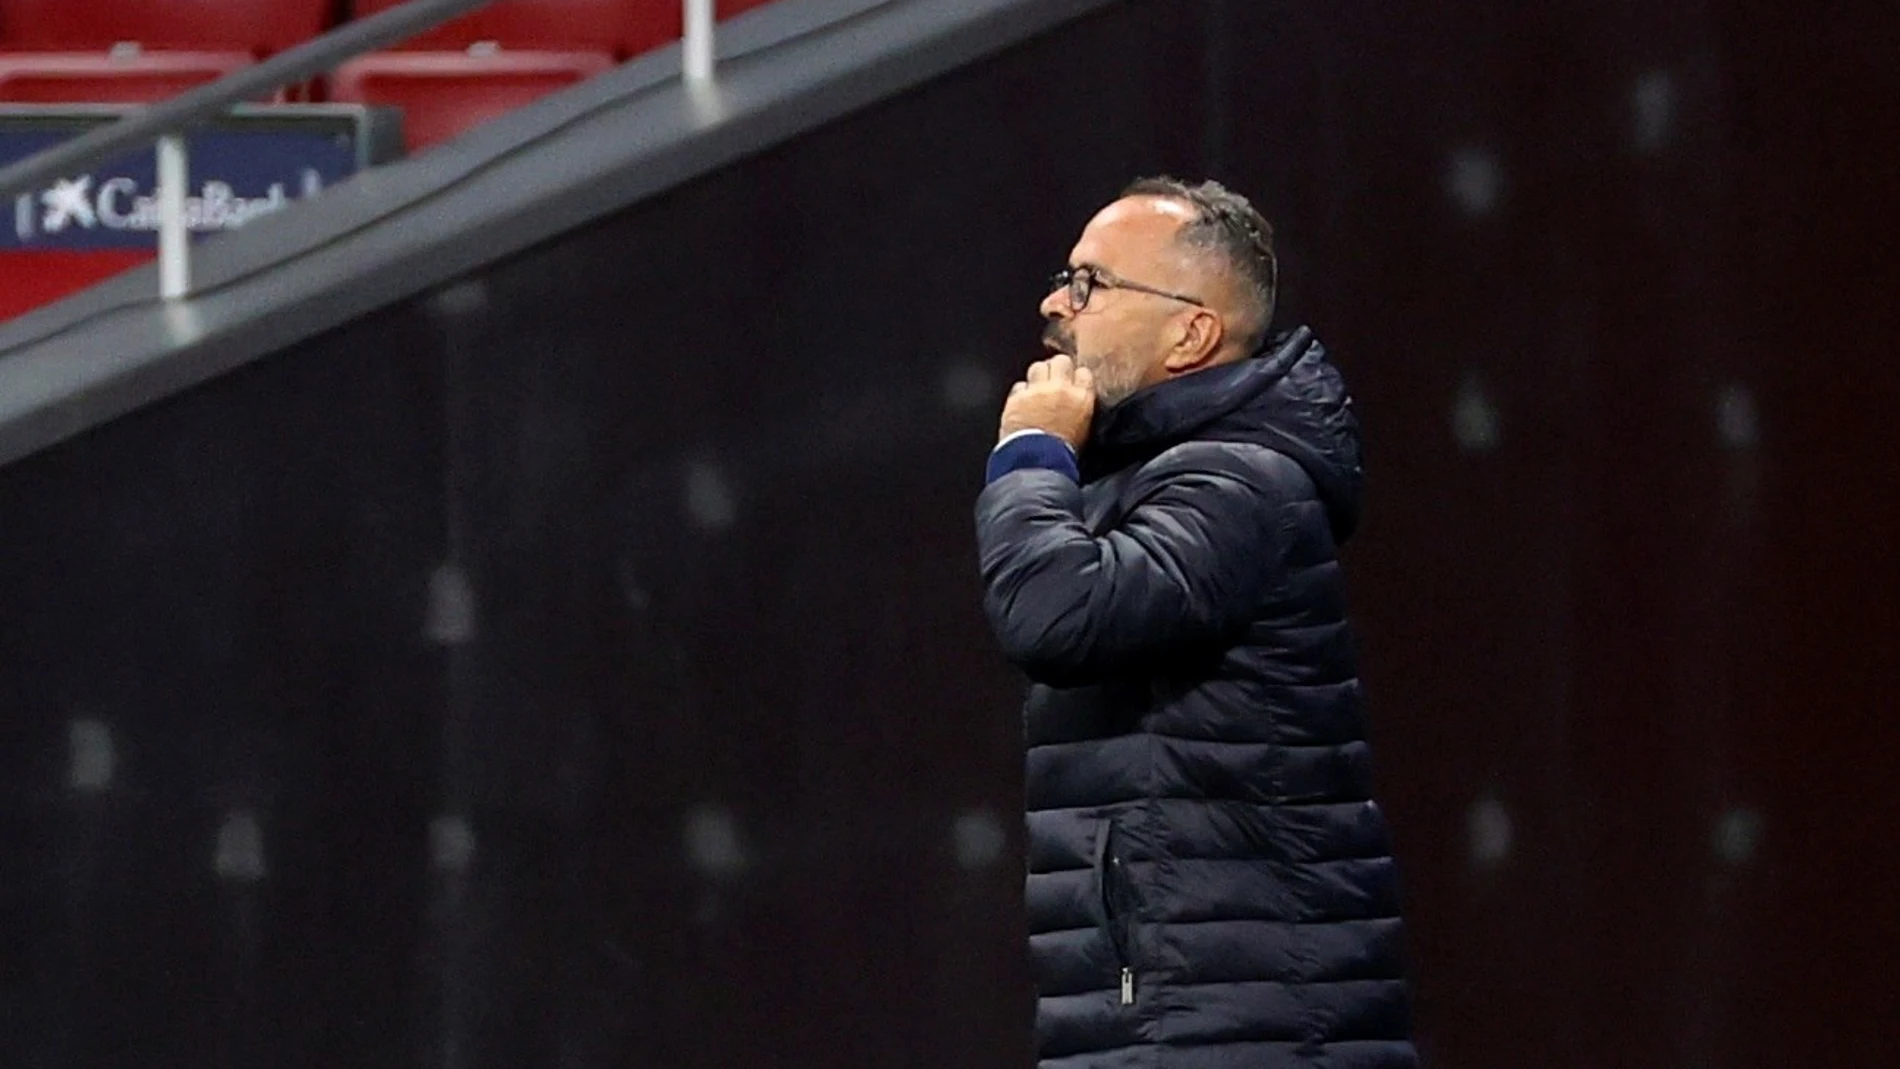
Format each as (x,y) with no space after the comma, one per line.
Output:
(1117,904)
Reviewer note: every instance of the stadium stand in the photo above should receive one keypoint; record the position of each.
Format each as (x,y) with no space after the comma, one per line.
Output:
(445,81)
(499,58)
(618,27)
(256,27)
(126,75)
(442,94)
(139,51)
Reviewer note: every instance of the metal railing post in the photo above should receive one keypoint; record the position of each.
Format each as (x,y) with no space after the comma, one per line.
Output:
(698,45)
(174,229)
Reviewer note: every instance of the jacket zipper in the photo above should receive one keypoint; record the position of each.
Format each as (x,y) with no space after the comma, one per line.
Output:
(1108,862)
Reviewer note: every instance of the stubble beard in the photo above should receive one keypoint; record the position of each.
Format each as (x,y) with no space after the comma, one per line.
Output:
(1115,378)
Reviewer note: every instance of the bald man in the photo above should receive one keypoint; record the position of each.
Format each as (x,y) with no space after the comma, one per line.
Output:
(1210,882)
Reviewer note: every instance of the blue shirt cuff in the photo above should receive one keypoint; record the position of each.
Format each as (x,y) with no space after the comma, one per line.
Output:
(1035,449)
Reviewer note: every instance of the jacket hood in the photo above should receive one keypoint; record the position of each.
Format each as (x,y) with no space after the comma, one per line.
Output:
(1289,397)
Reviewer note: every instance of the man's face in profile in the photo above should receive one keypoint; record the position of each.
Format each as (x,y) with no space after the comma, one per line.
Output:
(1120,332)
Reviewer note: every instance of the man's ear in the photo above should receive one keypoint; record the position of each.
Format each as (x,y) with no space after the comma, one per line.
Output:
(1197,342)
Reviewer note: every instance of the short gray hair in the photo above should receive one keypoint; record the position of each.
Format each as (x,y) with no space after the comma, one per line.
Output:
(1229,226)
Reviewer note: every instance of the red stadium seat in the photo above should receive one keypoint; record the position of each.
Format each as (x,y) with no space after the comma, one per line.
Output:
(729,8)
(102,78)
(444,93)
(621,27)
(541,45)
(31,279)
(256,26)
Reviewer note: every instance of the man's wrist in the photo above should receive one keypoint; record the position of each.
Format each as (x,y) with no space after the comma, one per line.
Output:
(1032,448)
(1013,435)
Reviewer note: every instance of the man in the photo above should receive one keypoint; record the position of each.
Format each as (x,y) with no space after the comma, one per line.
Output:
(1210,884)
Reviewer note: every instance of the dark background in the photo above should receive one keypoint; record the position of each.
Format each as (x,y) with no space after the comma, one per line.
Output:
(582,666)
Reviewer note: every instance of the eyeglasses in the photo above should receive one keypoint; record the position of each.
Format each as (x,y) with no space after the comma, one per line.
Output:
(1082,282)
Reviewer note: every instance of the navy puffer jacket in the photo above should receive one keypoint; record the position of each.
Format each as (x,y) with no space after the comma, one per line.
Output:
(1210,883)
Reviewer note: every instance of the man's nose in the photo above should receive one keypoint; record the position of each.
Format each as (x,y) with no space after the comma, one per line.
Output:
(1056,305)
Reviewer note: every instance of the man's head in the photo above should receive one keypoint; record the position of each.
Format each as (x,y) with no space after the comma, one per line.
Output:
(1170,279)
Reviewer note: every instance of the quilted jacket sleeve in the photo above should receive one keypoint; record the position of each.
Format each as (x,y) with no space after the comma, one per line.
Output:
(1188,563)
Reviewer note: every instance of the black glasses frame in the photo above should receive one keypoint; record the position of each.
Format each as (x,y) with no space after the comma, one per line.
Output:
(1082,282)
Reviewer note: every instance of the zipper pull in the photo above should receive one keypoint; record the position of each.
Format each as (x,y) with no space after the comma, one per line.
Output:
(1128,987)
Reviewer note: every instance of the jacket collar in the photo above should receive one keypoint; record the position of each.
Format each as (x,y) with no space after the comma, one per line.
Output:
(1152,419)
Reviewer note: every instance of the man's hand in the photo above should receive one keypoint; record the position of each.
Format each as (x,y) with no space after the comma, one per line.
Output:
(1055,396)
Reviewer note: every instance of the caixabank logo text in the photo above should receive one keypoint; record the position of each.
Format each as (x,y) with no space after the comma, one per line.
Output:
(122,205)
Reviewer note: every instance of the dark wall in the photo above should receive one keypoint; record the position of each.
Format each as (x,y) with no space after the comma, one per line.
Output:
(581,666)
